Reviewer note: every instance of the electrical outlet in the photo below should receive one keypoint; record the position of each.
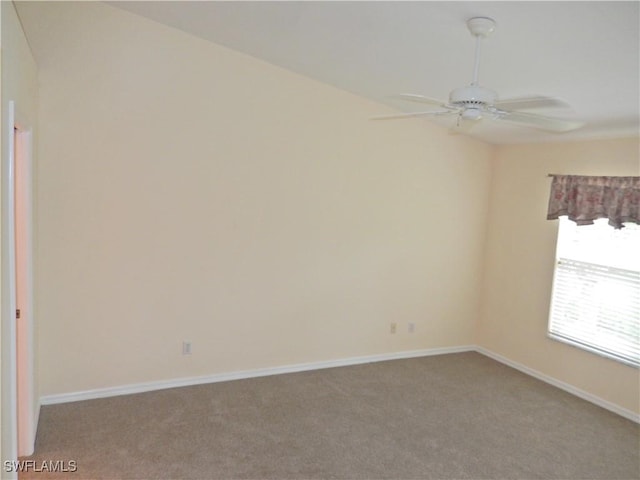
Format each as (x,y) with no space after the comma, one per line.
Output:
(412,327)
(186,347)
(393,327)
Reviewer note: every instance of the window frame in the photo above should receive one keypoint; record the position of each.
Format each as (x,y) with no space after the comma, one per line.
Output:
(575,342)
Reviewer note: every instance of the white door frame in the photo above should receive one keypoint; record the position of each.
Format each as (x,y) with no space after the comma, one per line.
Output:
(27,414)
(26,422)
(9,374)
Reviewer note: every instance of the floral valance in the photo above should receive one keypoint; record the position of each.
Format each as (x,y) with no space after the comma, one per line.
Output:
(585,199)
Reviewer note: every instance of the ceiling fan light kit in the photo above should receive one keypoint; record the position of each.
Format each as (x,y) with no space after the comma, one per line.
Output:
(471,114)
(474,102)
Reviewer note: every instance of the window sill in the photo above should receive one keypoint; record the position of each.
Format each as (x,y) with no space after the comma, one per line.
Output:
(602,353)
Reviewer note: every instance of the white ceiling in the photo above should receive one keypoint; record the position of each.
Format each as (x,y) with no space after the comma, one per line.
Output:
(585,53)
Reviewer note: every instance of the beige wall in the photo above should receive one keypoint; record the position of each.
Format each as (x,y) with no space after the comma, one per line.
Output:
(191,192)
(19,83)
(520,258)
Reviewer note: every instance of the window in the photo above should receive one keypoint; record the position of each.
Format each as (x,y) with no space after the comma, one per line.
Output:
(596,289)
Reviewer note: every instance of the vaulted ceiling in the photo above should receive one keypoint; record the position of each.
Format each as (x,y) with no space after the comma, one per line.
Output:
(584,53)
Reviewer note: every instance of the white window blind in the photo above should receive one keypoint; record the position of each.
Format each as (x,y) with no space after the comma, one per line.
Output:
(596,289)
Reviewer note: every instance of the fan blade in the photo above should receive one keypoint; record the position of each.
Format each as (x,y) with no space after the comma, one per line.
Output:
(524,103)
(548,124)
(412,115)
(422,99)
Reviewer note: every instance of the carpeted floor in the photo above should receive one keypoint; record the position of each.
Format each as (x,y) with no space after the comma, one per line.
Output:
(455,416)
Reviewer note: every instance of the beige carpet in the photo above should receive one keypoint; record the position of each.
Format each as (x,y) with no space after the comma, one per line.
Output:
(453,416)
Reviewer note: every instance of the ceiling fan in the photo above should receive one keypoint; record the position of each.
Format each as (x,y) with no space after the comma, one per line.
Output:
(473,103)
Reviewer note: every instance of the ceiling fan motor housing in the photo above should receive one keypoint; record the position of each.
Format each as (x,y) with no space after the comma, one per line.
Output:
(473,96)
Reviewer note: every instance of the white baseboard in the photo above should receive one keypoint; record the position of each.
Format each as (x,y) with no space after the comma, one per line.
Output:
(301,367)
(562,385)
(259,372)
